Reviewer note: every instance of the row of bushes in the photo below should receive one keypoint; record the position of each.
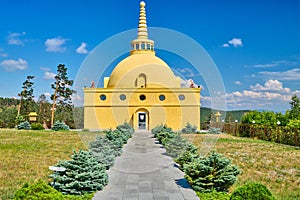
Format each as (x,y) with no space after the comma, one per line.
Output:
(281,134)
(57,126)
(211,176)
(85,173)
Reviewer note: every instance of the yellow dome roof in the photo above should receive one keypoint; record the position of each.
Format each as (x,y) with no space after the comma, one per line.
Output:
(143,69)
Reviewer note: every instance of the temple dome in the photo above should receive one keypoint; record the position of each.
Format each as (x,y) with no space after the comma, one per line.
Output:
(143,70)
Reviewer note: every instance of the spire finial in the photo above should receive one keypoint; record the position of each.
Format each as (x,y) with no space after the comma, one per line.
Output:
(142,44)
(142,31)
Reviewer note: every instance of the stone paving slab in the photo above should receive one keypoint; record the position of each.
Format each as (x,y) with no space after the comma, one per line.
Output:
(144,172)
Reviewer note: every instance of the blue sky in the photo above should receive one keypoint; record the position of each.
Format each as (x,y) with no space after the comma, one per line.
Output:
(255,44)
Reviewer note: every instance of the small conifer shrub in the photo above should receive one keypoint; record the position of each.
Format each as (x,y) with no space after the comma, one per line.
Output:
(188,129)
(24,125)
(60,126)
(105,151)
(83,174)
(214,130)
(252,190)
(214,172)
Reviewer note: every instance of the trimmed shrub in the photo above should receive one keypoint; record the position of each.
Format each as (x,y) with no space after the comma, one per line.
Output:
(83,174)
(252,190)
(24,126)
(214,195)
(60,126)
(214,172)
(42,191)
(105,151)
(214,130)
(188,129)
(37,191)
(37,126)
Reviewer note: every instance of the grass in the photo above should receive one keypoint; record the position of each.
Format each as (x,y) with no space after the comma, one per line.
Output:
(25,156)
(275,165)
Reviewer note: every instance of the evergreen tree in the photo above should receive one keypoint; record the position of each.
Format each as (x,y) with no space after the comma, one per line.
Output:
(105,151)
(26,103)
(62,92)
(44,109)
(83,174)
(214,172)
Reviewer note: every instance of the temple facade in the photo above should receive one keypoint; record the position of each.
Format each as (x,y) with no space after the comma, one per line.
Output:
(141,90)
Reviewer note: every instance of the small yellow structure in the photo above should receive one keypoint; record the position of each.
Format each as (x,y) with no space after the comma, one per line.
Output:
(32,116)
(141,90)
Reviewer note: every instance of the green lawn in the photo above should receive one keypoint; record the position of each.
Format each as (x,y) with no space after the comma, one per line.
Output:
(25,156)
(275,165)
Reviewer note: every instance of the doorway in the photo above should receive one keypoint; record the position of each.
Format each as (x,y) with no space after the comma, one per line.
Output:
(142,121)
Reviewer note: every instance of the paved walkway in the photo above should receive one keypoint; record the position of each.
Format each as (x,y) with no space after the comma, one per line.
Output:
(143,172)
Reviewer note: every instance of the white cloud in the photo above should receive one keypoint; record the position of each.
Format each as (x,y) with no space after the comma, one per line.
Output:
(270,85)
(238,83)
(14,65)
(82,48)
(265,65)
(49,75)
(289,75)
(14,38)
(46,69)
(186,72)
(55,44)
(271,95)
(236,42)
(2,53)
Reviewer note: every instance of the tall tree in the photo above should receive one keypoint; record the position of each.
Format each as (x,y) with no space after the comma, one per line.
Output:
(44,109)
(26,101)
(295,107)
(62,95)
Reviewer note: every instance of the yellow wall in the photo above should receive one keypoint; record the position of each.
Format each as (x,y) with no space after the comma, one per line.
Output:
(108,113)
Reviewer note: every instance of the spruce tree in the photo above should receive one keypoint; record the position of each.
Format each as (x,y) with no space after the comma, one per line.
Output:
(214,172)
(83,174)
(105,151)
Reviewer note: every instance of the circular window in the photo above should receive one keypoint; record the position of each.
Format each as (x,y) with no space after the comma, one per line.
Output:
(123,97)
(162,97)
(103,97)
(181,97)
(142,97)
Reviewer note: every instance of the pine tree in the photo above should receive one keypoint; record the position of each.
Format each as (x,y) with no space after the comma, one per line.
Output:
(83,174)
(62,95)
(26,102)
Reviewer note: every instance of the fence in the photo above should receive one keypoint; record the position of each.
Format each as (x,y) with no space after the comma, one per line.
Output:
(278,134)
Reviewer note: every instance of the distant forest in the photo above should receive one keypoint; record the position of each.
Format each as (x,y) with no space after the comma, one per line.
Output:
(9,110)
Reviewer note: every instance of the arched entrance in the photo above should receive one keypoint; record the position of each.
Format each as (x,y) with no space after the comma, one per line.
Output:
(141,119)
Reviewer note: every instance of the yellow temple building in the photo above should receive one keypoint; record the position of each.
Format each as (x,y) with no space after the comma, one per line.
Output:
(141,90)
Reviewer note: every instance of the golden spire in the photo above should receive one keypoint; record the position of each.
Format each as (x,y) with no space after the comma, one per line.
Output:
(142,31)
(142,44)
